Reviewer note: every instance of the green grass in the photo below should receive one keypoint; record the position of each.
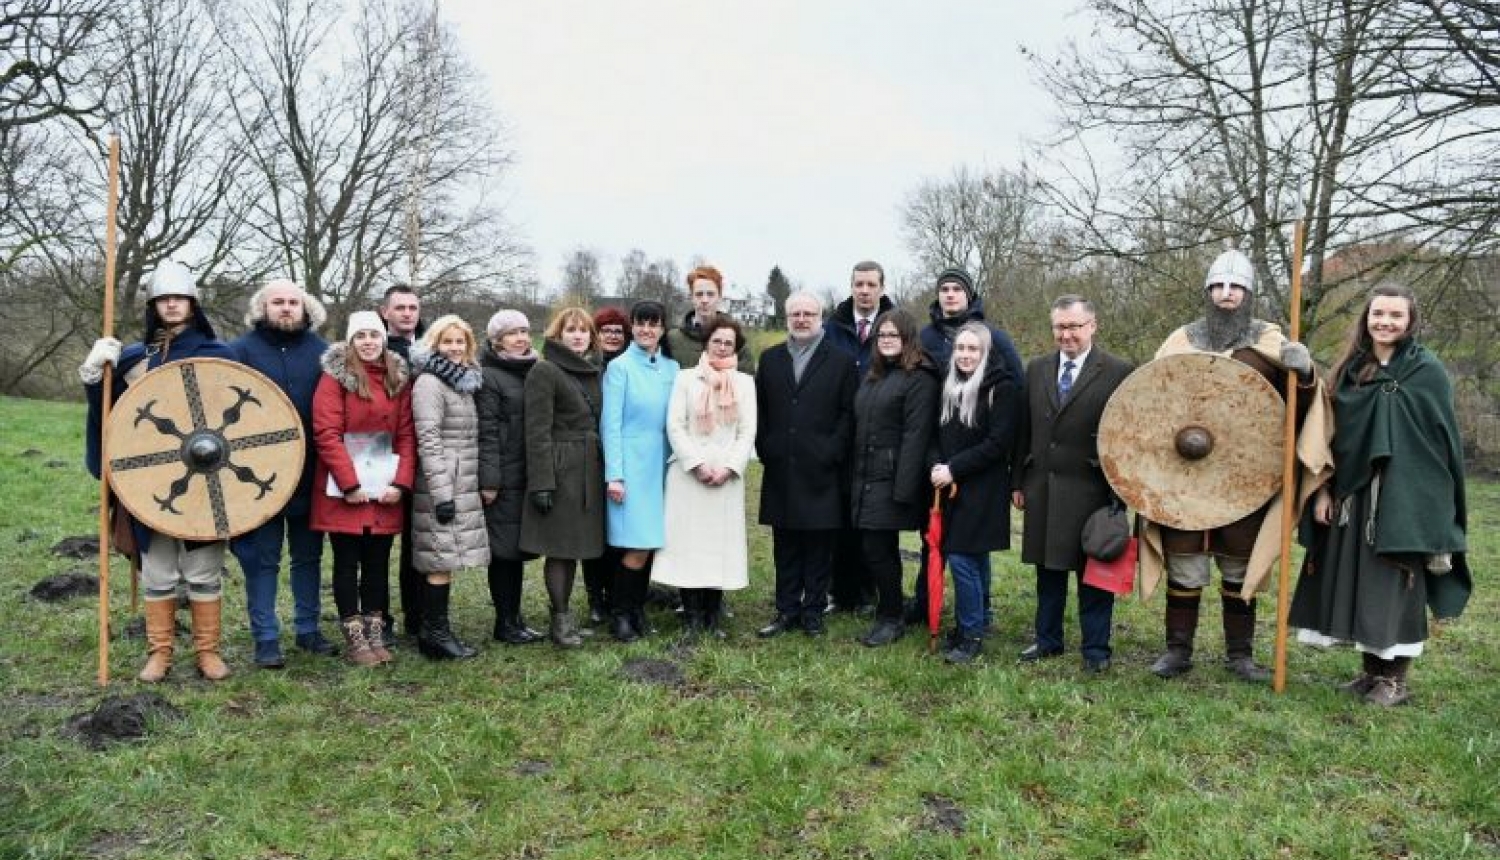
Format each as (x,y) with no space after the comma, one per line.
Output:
(787,748)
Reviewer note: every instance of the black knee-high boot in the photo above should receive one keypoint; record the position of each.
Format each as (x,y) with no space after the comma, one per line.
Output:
(436,640)
(627,602)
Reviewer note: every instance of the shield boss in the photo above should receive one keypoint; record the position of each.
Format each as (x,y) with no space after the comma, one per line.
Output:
(204,449)
(1193,441)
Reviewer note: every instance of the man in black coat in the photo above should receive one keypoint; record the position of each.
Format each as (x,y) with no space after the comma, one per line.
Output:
(401,309)
(851,330)
(805,396)
(1058,478)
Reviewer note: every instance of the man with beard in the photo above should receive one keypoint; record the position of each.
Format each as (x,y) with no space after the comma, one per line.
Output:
(805,403)
(283,344)
(1228,328)
(176,328)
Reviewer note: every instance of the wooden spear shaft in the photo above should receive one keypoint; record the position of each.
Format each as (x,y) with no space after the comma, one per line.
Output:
(1288,471)
(109,331)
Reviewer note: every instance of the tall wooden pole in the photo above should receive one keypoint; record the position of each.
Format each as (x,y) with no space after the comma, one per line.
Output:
(1288,471)
(109,331)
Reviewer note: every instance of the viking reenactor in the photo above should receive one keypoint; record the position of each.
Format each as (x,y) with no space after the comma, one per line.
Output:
(176,328)
(1246,547)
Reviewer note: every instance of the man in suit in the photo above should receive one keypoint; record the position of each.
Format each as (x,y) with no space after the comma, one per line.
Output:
(804,394)
(851,330)
(1059,481)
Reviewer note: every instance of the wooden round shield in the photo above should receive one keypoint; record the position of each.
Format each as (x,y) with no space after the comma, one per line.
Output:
(1193,441)
(203,449)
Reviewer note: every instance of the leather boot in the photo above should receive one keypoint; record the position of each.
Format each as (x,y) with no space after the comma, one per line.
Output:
(1370,666)
(161,637)
(356,646)
(713,612)
(436,641)
(206,630)
(1182,627)
(1239,640)
(564,630)
(692,613)
(1389,688)
(375,636)
(512,630)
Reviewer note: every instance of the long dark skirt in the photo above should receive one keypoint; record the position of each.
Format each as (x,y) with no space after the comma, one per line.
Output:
(1349,593)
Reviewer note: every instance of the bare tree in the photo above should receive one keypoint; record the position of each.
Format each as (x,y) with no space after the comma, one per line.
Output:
(582,278)
(48,49)
(370,145)
(1257,113)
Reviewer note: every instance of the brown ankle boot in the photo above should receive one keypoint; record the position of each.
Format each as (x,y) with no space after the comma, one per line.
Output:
(358,651)
(206,629)
(1369,666)
(161,637)
(375,637)
(1389,688)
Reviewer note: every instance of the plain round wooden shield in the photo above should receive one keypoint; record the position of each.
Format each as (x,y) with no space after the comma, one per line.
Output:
(1193,441)
(204,449)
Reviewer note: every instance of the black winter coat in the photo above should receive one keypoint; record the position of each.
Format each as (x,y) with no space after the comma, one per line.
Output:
(803,437)
(502,448)
(977,519)
(1057,461)
(894,417)
(840,330)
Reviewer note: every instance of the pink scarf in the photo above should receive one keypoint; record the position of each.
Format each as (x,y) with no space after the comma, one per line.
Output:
(716,402)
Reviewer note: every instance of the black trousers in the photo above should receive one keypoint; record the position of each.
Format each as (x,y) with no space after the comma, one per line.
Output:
(882,552)
(850,583)
(361,573)
(804,567)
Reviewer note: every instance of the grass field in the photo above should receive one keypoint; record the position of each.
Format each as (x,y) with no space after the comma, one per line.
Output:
(788,748)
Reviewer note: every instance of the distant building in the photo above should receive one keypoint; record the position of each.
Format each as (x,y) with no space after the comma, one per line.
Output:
(752,309)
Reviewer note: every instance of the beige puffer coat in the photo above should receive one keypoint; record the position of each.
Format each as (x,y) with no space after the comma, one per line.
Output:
(447,424)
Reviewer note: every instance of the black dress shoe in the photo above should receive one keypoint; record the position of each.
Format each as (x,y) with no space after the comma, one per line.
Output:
(779,625)
(812,624)
(1034,653)
(885,631)
(1096,667)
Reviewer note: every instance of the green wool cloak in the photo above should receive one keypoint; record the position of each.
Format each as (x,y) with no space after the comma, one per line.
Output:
(1400,423)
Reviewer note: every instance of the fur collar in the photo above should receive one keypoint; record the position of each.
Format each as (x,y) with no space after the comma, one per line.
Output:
(333,361)
(463,378)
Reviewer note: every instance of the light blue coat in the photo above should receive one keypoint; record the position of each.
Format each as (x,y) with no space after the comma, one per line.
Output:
(637,389)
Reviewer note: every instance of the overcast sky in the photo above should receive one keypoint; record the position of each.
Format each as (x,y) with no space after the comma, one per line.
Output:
(750,133)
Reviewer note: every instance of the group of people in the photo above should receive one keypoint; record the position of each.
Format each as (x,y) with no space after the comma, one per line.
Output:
(621,446)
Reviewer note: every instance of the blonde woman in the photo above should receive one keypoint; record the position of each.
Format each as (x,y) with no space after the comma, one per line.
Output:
(448,530)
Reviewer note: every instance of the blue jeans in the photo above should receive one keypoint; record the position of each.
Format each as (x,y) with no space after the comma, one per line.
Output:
(259,553)
(971,579)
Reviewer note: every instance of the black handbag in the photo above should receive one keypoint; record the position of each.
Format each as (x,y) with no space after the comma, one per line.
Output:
(1106,532)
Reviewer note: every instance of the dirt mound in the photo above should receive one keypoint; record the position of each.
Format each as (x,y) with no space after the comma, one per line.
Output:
(119,718)
(65,585)
(79,546)
(648,671)
(942,815)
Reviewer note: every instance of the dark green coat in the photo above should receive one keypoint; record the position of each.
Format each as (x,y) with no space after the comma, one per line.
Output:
(562,402)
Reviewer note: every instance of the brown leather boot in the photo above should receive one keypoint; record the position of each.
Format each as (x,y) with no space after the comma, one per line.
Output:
(1389,688)
(161,637)
(1369,667)
(206,629)
(358,651)
(1239,639)
(375,637)
(1182,628)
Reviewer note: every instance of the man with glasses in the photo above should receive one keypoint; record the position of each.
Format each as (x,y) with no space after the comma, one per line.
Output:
(1058,480)
(804,395)
(1228,327)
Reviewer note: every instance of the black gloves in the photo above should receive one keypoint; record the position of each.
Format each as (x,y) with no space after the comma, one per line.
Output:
(446,512)
(542,501)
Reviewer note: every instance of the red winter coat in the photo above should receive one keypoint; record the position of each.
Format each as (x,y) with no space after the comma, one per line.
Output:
(338,410)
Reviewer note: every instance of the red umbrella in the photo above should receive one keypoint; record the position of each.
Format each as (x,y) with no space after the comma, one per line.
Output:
(935,564)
